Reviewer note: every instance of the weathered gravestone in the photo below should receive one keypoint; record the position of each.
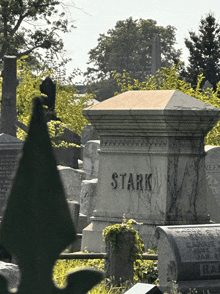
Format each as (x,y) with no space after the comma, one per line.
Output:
(88,133)
(8,103)
(152,164)
(10,148)
(72,180)
(189,256)
(88,197)
(212,166)
(91,159)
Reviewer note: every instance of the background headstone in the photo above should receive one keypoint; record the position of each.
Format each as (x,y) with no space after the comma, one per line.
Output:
(190,256)
(71,179)
(88,133)
(10,148)
(91,159)
(12,273)
(88,197)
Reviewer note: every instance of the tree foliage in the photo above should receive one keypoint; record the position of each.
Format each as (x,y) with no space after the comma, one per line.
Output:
(204,50)
(27,25)
(128,46)
(170,79)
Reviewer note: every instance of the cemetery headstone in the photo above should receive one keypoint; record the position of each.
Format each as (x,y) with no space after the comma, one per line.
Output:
(71,179)
(212,166)
(91,159)
(190,256)
(10,148)
(12,273)
(88,197)
(207,85)
(89,133)
(152,163)
(8,104)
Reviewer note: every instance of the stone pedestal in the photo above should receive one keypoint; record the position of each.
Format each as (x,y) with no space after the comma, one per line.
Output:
(151,165)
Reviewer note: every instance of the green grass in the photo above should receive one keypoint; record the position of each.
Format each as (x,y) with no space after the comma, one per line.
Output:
(63,266)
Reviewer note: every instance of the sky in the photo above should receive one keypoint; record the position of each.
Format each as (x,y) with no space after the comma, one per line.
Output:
(94,17)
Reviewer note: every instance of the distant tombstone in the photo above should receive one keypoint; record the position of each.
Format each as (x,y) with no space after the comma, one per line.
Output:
(88,197)
(10,148)
(89,133)
(8,103)
(71,179)
(12,273)
(91,159)
(212,166)
(67,156)
(190,256)
(156,55)
(207,85)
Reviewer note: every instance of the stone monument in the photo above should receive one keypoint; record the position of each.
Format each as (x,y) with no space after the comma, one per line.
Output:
(152,163)
(10,148)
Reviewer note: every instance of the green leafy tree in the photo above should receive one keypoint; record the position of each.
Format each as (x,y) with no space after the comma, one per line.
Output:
(204,50)
(170,79)
(27,25)
(128,47)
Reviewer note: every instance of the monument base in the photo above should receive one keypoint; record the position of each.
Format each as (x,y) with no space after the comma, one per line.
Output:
(93,240)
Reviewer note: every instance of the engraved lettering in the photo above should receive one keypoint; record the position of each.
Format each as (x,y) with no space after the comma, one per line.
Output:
(148,185)
(133,182)
(139,182)
(130,182)
(209,269)
(123,180)
(114,183)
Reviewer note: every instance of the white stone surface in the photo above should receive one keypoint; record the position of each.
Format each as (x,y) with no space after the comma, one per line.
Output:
(71,179)
(88,197)
(91,159)
(11,272)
